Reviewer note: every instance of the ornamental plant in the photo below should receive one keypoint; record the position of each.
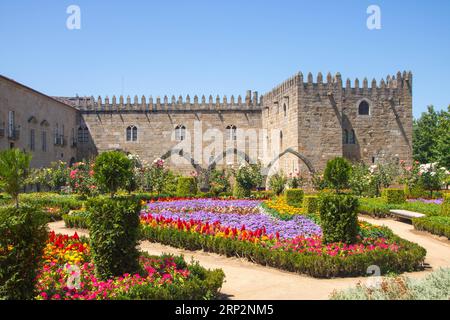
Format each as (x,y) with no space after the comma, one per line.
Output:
(14,170)
(248,177)
(114,234)
(432,177)
(112,170)
(337,173)
(23,233)
(81,179)
(360,179)
(277,183)
(219,182)
(186,187)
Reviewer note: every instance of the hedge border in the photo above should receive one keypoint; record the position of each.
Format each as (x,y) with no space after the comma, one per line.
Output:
(429,224)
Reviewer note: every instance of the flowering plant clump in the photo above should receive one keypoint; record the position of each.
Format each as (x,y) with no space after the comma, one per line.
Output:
(81,179)
(280,205)
(68,273)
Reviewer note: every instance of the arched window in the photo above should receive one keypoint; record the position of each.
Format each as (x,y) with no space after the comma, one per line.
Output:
(83,135)
(364,108)
(180,133)
(232,133)
(284,109)
(345,137)
(352,137)
(132,132)
(281,139)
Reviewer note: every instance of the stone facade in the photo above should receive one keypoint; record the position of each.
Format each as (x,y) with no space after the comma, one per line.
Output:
(39,124)
(302,123)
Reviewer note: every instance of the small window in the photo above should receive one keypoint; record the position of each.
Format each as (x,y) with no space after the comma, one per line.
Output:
(345,137)
(232,133)
(32,140)
(180,133)
(352,137)
(132,133)
(281,139)
(364,108)
(44,141)
(285,109)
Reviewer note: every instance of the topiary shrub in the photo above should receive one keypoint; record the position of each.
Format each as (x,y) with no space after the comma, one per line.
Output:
(23,234)
(339,218)
(445,208)
(186,187)
(112,170)
(337,174)
(311,204)
(394,196)
(114,234)
(294,197)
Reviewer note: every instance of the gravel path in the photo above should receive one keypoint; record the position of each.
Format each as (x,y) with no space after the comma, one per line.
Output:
(246,280)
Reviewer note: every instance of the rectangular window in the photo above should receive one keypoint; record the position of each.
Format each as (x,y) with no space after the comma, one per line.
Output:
(11,124)
(32,140)
(44,141)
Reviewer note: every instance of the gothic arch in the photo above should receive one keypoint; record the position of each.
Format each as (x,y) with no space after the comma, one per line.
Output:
(235,151)
(295,153)
(184,155)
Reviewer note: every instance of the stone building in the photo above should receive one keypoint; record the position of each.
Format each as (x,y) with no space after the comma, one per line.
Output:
(299,125)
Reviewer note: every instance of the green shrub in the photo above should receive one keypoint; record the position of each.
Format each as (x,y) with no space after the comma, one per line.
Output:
(311,204)
(186,187)
(114,234)
(394,196)
(241,192)
(294,197)
(445,208)
(112,170)
(277,183)
(410,257)
(337,173)
(438,225)
(378,208)
(77,219)
(23,234)
(339,217)
(262,195)
(433,287)
(415,191)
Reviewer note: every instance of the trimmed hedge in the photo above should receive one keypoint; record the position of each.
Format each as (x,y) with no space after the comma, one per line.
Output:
(76,220)
(114,234)
(394,196)
(339,218)
(23,234)
(240,192)
(294,197)
(311,204)
(409,258)
(376,207)
(202,284)
(445,209)
(186,187)
(436,225)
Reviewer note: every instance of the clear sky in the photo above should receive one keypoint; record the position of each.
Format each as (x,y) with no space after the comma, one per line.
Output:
(221,47)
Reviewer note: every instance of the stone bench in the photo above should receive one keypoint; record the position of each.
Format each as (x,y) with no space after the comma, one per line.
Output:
(405,214)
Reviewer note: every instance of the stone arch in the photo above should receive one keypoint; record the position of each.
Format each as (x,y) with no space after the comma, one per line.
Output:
(235,151)
(183,154)
(305,160)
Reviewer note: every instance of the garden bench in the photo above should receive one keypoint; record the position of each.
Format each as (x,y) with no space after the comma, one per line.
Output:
(405,214)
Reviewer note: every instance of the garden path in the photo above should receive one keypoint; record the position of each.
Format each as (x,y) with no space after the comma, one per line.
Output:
(246,280)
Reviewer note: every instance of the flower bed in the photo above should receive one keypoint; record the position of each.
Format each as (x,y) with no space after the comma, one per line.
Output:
(293,245)
(67,259)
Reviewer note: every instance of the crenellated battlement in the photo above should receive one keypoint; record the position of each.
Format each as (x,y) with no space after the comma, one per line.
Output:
(393,83)
(124,104)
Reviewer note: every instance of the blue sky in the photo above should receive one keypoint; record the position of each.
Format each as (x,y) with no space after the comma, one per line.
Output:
(221,47)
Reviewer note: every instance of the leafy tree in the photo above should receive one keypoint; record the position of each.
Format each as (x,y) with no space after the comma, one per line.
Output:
(337,173)
(112,170)
(14,170)
(277,183)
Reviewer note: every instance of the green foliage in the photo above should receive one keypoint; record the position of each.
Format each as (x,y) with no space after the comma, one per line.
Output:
(382,176)
(337,173)
(186,187)
(44,200)
(377,207)
(77,219)
(240,192)
(114,234)
(23,233)
(318,182)
(294,197)
(295,180)
(445,209)
(82,180)
(14,169)
(339,217)
(248,176)
(277,183)
(431,136)
(112,170)
(438,225)
(360,179)
(394,196)
(311,204)
(433,287)
(408,258)
(219,182)
(262,195)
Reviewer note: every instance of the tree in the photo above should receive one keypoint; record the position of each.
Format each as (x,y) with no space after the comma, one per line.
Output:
(431,137)
(14,170)
(112,170)
(337,173)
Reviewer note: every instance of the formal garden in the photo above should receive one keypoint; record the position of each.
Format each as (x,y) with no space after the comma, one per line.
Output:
(305,225)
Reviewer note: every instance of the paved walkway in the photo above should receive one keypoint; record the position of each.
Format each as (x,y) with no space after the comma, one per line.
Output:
(246,280)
